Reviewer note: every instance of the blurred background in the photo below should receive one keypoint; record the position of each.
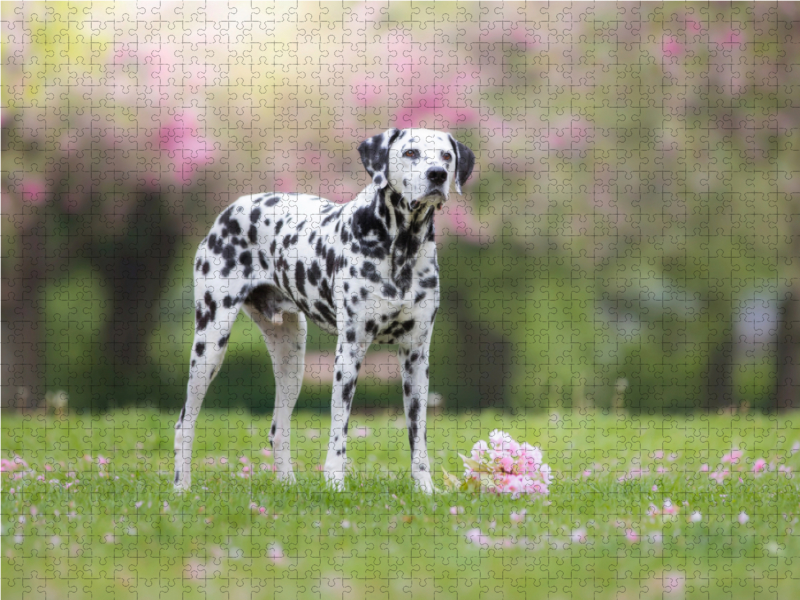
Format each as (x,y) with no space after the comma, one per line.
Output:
(630,237)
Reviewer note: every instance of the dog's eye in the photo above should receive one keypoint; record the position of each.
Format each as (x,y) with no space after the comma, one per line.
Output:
(411,154)
(447,156)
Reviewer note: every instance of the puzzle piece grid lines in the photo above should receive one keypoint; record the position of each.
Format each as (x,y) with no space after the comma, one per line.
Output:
(619,287)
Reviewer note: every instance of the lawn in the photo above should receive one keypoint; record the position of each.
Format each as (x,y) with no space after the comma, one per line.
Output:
(639,507)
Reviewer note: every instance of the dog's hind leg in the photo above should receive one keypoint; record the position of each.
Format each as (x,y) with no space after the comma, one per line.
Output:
(286,341)
(214,320)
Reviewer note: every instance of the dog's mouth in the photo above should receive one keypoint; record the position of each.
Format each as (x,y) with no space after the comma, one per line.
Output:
(439,196)
(432,196)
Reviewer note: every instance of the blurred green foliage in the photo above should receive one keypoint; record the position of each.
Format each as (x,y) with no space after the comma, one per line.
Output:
(630,235)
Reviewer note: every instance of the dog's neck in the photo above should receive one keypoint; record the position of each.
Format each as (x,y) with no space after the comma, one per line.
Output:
(409,231)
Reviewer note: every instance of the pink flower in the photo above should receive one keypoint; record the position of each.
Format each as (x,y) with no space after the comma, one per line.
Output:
(743,518)
(476,537)
(479,449)
(512,484)
(671,46)
(456,510)
(669,507)
(458,220)
(673,582)
(507,463)
(13,464)
(102,460)
(578,536)
(185,146)
(631,535)
(518,517)
(243,459)
(719,476)
(704,468)
(33,191)
(733,456)
(513,467)
(498,438)
(731,38)
(275,553)
(531,454)
(759,465)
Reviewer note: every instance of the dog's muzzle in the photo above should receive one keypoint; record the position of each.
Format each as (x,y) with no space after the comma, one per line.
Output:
(437,180)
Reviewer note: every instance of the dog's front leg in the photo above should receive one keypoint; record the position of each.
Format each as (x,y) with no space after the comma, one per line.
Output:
(414,365)
(349,356)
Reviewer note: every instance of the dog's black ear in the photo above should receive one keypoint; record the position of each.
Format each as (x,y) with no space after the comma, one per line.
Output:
(374,154)
(465,162)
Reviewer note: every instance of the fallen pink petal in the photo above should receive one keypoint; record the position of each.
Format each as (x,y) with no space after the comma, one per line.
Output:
(732,457)
(475,536)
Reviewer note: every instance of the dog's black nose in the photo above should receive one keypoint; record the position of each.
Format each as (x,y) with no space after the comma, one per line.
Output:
(436,175)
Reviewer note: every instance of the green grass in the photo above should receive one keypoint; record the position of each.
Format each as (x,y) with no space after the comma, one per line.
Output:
(75,528)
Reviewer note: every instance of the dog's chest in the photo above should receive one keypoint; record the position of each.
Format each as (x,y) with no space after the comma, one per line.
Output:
(373,298)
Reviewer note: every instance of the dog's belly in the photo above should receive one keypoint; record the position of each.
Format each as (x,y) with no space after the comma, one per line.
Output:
(277,251)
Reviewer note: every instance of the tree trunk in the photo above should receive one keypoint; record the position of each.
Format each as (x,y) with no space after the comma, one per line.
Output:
(787,392)
(135,269)
(23,319)
(719,377)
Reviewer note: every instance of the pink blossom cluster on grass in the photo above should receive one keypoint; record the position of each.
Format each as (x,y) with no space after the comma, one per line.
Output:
(503,466)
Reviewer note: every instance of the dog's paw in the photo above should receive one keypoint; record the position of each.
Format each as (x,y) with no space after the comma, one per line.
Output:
(182,480)
(424,483)
(286,477)
(335,480)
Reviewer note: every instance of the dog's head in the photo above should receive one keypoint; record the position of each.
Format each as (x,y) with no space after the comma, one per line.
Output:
(419,164)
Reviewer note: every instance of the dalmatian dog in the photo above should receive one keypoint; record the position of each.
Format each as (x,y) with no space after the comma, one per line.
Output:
(365,271)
